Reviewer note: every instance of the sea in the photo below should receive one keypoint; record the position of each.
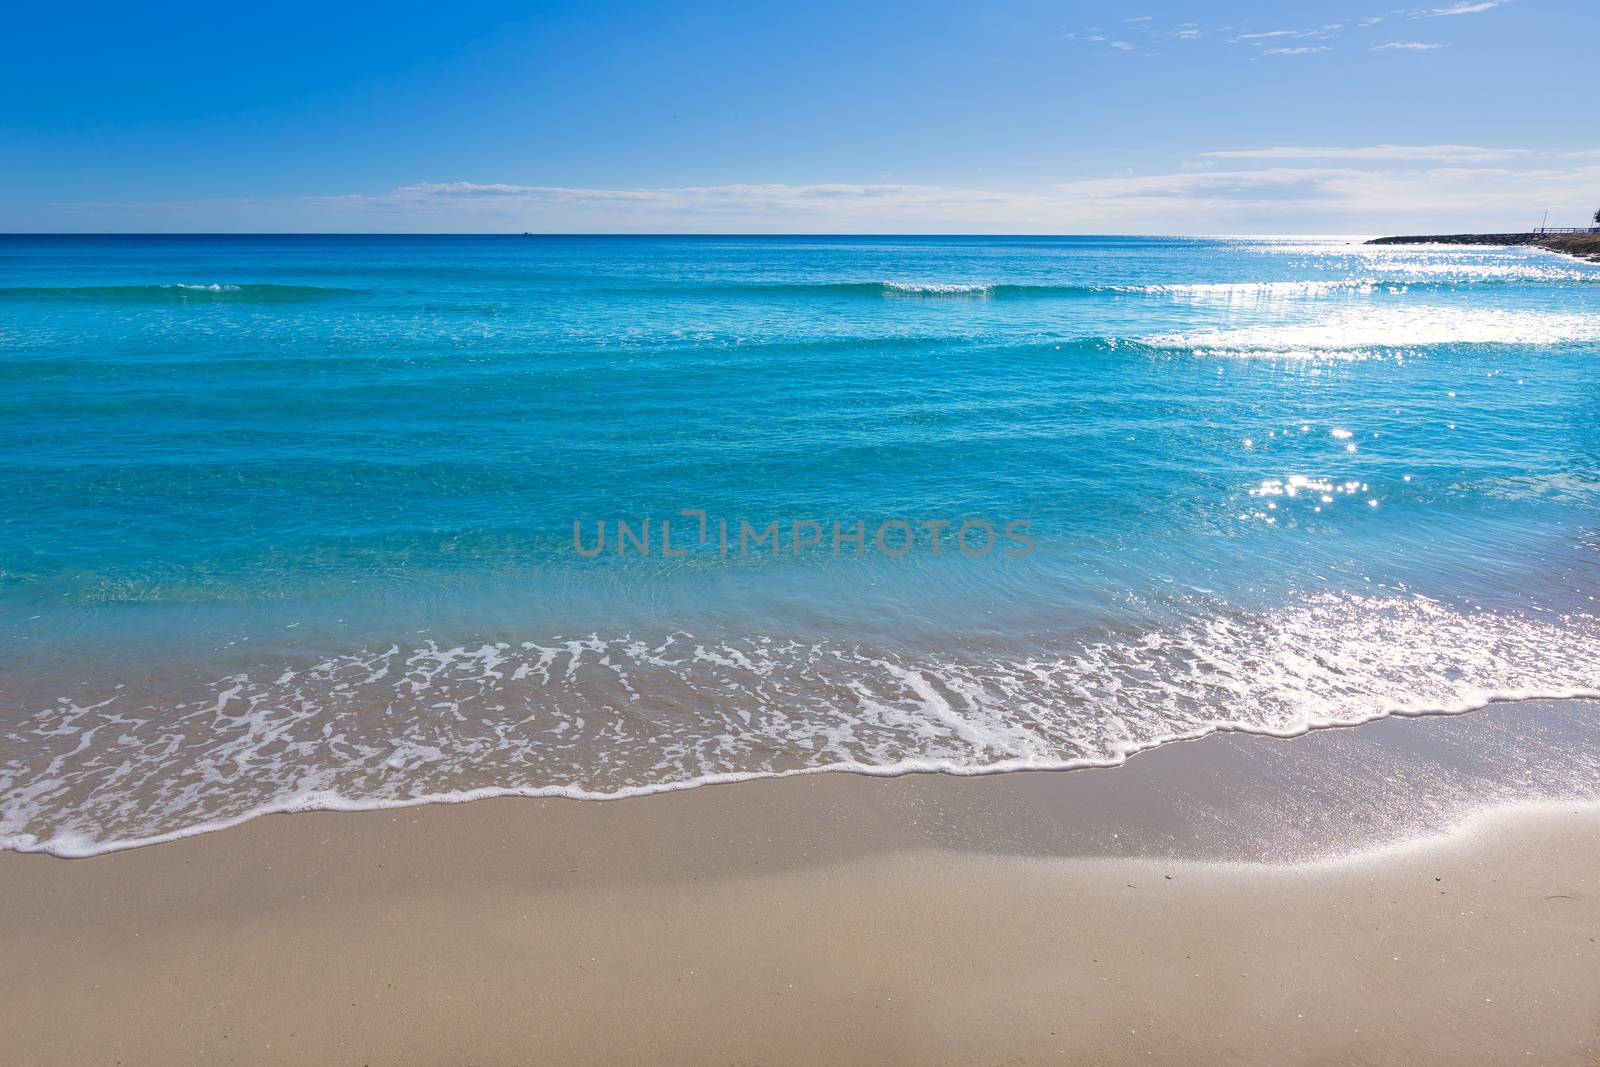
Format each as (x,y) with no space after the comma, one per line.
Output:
(338,522)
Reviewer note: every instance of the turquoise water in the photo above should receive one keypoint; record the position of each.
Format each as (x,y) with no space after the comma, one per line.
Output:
(289,521)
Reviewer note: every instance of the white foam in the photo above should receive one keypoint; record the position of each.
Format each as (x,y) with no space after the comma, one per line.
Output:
(598,719)
(74,845)
(937,288)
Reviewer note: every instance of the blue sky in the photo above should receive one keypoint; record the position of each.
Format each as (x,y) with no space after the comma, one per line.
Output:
(1223,117)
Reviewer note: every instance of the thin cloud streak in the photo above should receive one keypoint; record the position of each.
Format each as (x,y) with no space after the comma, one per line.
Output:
(1321,32)
(1465,9)
(1274,199)
(1261,38)
(1440,153)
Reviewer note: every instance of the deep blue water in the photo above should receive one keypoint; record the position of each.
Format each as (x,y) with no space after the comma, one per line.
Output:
(290,520)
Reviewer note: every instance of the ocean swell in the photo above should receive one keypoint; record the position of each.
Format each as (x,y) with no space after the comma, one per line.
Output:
(173,293)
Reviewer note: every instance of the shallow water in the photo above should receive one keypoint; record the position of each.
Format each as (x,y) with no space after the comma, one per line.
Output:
(289,522)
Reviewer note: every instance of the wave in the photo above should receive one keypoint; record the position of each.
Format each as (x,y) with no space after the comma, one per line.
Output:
(998,289)
(598,718)
(914,288)
(71,845)
(270,293)
(175,293)
(1398,282)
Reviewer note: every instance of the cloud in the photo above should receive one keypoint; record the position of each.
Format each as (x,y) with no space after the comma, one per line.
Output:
(1353,193)
(1265,36)
(1262,38)
(1122,45)
(1464,9)
(1294,51)
(1268,34)
(1438,153)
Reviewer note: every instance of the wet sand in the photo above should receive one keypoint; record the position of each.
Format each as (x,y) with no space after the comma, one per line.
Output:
(1316,900)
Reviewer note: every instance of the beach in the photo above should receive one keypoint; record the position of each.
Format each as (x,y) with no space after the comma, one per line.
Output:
(818,534)
(1179,909)
(493,650)
(790,535)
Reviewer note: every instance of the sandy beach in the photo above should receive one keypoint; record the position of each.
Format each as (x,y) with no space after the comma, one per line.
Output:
(1148,914)
(779,535)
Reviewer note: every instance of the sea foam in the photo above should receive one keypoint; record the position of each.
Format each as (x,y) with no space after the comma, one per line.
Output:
(595,718)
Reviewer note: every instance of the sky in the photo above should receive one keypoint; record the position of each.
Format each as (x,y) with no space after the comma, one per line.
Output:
(1228,117)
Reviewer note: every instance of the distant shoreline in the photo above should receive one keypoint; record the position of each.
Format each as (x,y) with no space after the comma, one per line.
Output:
(1581,245)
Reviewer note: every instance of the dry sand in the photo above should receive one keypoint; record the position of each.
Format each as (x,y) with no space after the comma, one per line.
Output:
(838,919)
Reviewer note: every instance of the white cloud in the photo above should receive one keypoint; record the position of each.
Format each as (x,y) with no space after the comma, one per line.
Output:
(1280,197)
(1123,45)
(1465,9)
(1265,36)
(1434,199)
(1438,153)
(1262,38)
(1273,33)
(1294,51)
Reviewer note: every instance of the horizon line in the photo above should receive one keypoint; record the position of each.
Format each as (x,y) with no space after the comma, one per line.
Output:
(646,233)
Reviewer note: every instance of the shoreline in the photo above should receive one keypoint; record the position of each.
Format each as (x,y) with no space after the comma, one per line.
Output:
(1583,246)
(1412,890)
(72,847)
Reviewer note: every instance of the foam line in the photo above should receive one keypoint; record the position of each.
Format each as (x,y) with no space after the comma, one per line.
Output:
(72,846)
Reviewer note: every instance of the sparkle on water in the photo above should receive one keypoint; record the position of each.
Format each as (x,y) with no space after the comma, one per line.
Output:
(289,520)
